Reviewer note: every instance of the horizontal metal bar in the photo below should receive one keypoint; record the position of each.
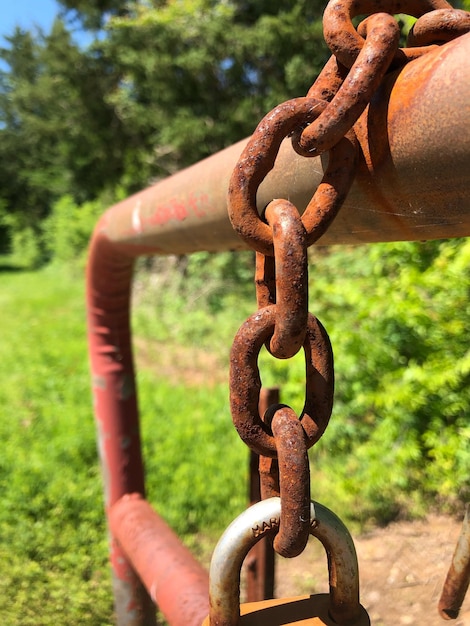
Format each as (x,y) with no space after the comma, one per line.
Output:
(412,183)
(175,581)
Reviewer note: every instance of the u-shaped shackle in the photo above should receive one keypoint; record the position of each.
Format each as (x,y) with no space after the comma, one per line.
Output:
(262,519)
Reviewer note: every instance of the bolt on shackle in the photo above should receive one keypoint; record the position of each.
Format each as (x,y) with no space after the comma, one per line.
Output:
(341,606)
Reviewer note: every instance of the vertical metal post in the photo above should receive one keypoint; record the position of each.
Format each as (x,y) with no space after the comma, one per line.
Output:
(458,577)
(260,560)
(115,404)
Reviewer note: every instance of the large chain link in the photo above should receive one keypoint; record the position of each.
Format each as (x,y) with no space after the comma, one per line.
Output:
(322,121)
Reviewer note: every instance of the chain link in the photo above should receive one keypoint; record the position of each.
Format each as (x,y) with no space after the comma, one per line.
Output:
(285,279)
(294,482)
(258,159)
(320,122)
(245,381)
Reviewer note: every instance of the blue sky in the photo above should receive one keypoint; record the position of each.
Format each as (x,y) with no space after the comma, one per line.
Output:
(26,14)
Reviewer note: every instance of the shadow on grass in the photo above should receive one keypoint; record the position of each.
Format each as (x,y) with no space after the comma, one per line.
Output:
(10,268)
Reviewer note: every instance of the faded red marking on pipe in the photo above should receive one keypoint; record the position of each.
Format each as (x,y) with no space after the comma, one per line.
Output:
(175,210)
(179,209)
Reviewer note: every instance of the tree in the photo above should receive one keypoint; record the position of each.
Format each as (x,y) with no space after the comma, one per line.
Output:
(168,83)
(93,14)
(57,134)
(197,75)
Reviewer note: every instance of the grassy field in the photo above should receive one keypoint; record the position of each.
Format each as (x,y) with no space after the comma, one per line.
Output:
(53,541)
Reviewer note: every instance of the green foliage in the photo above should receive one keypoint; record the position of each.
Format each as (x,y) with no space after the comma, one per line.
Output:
(223,66)
(25,248)
(57,135)
(196,465)
(198,299)
(63,236)
(396,314)
(68,228)
(66,232)
(53,548)
(92,14)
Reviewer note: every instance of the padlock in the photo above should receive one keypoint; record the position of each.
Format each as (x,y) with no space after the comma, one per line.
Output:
(340,607)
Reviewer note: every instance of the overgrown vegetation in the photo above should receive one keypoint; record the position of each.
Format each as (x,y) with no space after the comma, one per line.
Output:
(164,84)
(398,442)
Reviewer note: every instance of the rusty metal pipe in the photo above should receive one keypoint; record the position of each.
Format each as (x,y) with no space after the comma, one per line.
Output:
(458,576)
(413,184)
(260,561)
(175,581)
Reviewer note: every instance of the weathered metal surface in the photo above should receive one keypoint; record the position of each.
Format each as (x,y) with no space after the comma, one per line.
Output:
(458,577)
(260,562)
(413,184)
(258,159)
(294,483)
(382,34)
(297,610)
(262,519)
(175,581)
(245,382)
(290,279)
(439,26)
(115,407)
(413,114)
(346,44)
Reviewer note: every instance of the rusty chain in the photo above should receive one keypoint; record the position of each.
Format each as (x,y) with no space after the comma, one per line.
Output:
(322,121)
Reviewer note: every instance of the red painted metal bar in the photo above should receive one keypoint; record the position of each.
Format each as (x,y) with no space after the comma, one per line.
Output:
(177,583)
(412,184)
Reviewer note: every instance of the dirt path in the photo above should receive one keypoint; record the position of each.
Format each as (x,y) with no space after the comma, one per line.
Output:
(402,570)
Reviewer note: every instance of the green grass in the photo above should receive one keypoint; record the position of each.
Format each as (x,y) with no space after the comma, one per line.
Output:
(53,540)
(52,530)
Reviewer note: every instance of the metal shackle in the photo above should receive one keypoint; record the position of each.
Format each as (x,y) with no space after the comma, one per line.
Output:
(263,519)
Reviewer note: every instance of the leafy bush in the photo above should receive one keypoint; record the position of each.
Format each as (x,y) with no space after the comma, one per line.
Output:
(397,315)
(397,443)
(21,239)
(68,228)
(26,250)
(199,299)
